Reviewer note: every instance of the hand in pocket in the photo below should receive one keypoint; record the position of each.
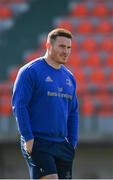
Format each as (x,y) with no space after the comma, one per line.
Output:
(29,145)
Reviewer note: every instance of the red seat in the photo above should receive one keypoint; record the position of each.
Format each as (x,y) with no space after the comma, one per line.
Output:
(104,27)
(5,88)
(110,60)
(97,76)
(84,27)
(87,108)
(99,10)
(12,73)
(79,75)
(93,60)
(65,24)
(106,44)
(5,105)
(79,10)
(81,88)
(105,105)
(74,60)
(111,77)
(88,44)
(74,46)
(5,12)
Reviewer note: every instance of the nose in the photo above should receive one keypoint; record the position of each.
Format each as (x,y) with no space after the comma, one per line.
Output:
(66,51)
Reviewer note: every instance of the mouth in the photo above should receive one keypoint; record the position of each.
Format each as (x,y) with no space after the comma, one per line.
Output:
(64,57)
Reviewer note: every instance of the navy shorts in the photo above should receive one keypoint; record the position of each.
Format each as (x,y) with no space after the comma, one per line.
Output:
(49,158)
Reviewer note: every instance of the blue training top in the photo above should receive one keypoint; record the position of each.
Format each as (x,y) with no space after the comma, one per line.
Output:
(44,102)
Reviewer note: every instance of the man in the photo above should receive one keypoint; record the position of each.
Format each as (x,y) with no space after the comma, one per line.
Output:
(45,106)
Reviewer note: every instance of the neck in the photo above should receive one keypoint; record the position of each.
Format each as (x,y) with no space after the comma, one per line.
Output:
(50,61)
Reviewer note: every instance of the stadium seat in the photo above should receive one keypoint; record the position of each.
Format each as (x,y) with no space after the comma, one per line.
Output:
(65,24)
(5,12)
(111,77)
(5,88)
(79,75)
(92,87)
(5,105)
(12,73)
(88,44)
(81,88)
(102,104)
(99,10)
(105,105)
(97,76)
(87,108)
(91,21)
(79,9)
(93,60)
(8,11)
(104,27)
(75,60)
(107,44)
(74,46)
(19,6)
(84,27)
(109,60)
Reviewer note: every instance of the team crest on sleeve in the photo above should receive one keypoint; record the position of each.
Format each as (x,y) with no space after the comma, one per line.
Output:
(68,82)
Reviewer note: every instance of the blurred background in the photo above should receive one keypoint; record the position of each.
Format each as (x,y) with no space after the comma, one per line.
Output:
(24,24)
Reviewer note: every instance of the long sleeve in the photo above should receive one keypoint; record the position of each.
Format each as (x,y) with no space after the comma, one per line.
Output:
(22,93)
(73,122)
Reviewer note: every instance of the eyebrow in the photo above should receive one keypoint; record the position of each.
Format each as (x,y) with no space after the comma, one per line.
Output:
(64,45)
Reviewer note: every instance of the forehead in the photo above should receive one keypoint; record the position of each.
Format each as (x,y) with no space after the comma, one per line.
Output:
(63,40)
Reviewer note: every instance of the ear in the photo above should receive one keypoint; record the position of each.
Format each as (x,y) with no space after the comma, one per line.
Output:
(48,45)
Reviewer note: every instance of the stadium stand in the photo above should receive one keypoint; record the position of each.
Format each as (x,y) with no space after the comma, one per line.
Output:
(86,62)
(91,60)
(29,36)
(7,18)
(96,21)
(9,10)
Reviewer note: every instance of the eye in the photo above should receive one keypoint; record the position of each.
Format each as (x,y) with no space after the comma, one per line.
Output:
(62,46)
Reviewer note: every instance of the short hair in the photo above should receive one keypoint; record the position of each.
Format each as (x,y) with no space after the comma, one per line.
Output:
(58,32)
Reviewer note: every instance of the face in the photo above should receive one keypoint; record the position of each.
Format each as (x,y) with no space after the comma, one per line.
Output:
(60,50)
